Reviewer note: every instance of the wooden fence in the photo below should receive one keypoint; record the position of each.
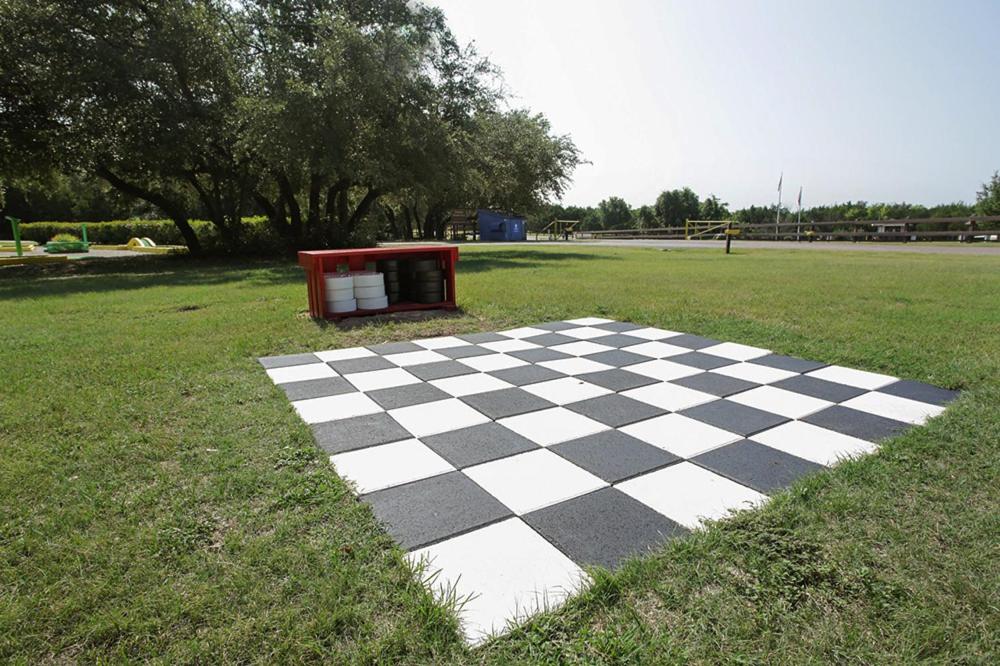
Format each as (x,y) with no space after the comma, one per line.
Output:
(963,229)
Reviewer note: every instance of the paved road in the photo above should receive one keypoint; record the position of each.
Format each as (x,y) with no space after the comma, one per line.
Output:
(836,246)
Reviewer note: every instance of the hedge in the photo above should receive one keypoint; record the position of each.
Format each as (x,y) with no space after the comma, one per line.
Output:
(116,232)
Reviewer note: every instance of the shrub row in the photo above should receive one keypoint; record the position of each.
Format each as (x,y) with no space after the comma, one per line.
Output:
(116,232)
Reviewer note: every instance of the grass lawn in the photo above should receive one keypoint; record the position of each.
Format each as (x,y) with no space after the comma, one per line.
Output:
(159,498)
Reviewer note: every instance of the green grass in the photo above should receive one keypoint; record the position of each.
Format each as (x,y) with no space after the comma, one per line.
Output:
(159,499)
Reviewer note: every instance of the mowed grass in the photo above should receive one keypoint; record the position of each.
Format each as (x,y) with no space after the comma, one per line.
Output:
(160,500)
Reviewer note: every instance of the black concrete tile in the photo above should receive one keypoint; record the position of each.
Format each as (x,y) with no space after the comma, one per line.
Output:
(395,348)
(287,360)
(856,423)
(478,444)
(613,455)
(439,370)
(433,509)
(702,361)
(539,355)
(506,402)
(358,432)
(756,466)
(615,410)
(555,326)
(906,388)
(366,364)
(404,396)
(733,417)
(603,528)
(617,358)
(617,379)
(790,363)
(819,388)
(618,340)
(477,338)
(550,339)
(317,388)
(618,326)
(716,384)
(526,374)
(691,341)
(465,351)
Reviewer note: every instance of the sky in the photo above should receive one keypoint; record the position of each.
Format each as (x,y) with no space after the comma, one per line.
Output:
(875,101)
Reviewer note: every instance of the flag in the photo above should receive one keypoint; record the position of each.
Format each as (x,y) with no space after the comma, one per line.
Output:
(780,178)
(800,196)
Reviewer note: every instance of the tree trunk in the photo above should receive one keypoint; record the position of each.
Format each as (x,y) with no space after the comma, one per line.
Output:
(173,210)
(288,195)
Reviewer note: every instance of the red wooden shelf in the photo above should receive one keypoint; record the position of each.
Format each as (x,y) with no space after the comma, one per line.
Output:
(317,263)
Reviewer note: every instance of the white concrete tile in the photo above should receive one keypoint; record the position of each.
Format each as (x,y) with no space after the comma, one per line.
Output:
(894,407)
(523,332)
(664,370)
(335,407)
(852,377)
(575,366)
(680,435)
(298,373)
(735,351)
(415,358)
(581,348)
(380,379)
(344,354)
(810,442)
(443,342)
(655,349)
(551,426)
(431,418)
(752,372)
(669,396)
(469,384)
(506,571)
(378,467)
(653,333)
(491,362)
(532,480)
(585,333)
(689,494)
(565,390)
(779,401)
(509,345)
(589,321)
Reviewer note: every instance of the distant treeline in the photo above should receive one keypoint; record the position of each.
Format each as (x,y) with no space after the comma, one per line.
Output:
(673,207)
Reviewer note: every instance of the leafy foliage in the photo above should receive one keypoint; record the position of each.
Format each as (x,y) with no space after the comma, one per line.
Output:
(308,111)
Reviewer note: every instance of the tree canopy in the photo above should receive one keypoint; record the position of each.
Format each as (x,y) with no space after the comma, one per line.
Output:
(311,112)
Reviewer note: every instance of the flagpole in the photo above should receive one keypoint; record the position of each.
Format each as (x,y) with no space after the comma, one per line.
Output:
(777,215)
(798,228)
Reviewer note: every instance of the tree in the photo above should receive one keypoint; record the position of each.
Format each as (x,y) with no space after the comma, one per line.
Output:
(645,217)
(988,198)
(308,110)
(713,209)
(675,207)
(614,213)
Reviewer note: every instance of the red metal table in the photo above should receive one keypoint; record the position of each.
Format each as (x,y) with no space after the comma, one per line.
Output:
(317,263)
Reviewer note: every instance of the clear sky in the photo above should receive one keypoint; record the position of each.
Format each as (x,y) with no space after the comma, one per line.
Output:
(881,101)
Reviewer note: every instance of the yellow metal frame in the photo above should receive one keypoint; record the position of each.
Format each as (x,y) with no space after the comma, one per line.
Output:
(702,229)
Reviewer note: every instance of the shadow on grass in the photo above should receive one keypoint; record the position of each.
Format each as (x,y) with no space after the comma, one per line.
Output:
(478,262)
(118,274)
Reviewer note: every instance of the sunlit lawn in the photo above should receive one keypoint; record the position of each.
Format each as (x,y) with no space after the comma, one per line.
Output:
(159,498)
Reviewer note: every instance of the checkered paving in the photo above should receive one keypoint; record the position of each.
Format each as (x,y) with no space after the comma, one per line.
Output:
(509,461)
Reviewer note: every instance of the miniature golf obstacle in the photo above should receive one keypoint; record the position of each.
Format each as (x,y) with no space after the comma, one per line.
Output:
(70,246)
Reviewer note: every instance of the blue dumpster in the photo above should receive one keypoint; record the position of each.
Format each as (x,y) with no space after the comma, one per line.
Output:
(495,226)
